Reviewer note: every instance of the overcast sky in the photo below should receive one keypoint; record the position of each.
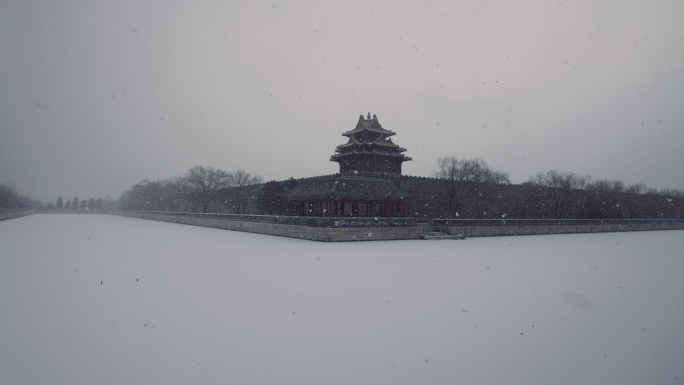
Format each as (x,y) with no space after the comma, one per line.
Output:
(97,95)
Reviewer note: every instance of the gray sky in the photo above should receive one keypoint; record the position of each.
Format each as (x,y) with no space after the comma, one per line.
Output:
(97,95)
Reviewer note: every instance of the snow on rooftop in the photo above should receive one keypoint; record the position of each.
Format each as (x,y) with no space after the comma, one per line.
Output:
(95,299)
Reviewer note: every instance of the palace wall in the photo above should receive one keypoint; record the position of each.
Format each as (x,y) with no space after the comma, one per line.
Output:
(428,200)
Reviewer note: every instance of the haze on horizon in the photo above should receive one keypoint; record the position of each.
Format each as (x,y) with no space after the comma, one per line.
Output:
(96,96)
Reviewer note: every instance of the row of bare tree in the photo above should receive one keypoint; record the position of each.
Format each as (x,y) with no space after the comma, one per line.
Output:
(11,199)
(201,189)
(569,195)
(467,179)
(469,188)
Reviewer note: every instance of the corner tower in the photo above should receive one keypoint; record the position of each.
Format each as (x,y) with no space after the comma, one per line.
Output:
(369,149)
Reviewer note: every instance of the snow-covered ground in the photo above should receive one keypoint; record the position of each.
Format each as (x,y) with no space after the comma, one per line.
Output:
(96,299)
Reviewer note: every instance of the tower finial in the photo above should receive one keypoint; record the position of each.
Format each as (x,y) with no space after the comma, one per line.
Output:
(369,116)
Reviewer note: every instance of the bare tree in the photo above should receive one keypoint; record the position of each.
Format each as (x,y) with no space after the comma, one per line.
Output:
(672,203)
(485,183)
(463,178)
(560,186)
(605,199)
(10,198)
(638,188)
(201,185)
(653,204)
(635,200)
(138,197)
(606,185)
(239,193)
(107,202)
(453,174)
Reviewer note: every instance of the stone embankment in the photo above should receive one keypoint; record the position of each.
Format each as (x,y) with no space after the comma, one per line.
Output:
(309,228)
(499,227)
(372,229)
(9,214)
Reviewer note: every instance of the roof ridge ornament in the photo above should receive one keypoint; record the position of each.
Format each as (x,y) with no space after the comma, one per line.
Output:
(368,118)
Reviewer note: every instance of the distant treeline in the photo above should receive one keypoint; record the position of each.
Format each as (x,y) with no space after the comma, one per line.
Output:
(75,204)
(459,188)
(433,198)
(201,189)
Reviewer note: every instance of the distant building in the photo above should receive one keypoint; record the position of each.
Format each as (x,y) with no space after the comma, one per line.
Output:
(365,187)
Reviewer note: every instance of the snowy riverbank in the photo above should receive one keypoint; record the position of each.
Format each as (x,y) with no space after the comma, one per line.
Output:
(105,299)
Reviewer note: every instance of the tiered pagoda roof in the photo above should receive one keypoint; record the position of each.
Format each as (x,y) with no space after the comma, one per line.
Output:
(369,149)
